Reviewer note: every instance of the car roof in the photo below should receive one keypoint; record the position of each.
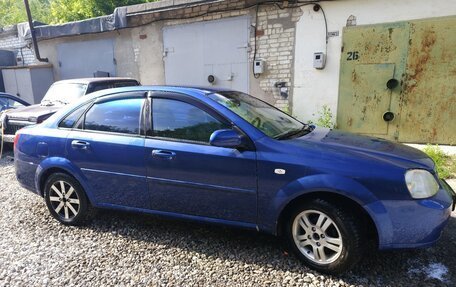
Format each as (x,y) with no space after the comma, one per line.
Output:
(95,80)
(194,91)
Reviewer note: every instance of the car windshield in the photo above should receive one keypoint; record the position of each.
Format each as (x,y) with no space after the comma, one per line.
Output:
(268,119)
(63,93)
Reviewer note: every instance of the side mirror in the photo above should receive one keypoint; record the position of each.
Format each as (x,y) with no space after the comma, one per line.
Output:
(226,138)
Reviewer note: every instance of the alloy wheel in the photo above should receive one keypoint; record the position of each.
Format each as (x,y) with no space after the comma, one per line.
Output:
(317,237)
(64,200)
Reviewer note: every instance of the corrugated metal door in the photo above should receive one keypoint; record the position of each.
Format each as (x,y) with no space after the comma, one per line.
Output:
(83,59)
(219,48)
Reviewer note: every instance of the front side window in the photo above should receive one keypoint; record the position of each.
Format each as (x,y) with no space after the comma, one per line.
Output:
(70,120)
(117,116)
(271,121)
(179,120)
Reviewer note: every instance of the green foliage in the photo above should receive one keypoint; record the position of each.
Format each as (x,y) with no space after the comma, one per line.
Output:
(13,11)
(59,11)
(325,118)
(446,165)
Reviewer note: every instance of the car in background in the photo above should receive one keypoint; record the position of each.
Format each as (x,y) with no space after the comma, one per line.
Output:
(222,156)
(8,102)
(60,94)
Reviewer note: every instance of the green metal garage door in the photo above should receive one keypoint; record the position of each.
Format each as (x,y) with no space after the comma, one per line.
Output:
(421,57)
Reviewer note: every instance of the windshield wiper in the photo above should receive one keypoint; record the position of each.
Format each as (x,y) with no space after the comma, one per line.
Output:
(295,133)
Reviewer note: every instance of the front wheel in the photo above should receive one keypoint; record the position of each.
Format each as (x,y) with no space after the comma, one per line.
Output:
(66,199)
(324,236)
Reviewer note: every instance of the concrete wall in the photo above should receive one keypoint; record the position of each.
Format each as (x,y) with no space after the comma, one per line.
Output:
(139,50)
(315,88)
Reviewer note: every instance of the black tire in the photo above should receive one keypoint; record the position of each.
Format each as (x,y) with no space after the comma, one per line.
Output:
(64,205)
(344,227)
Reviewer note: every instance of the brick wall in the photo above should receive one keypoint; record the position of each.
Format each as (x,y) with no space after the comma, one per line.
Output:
(275,38)
(10,41)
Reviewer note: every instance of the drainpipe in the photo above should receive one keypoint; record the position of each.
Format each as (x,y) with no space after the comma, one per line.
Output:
(32,32)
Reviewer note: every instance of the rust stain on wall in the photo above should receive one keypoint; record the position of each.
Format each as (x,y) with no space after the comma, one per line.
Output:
(419,56)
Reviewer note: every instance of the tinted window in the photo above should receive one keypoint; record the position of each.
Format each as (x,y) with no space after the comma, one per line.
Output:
(101,86)
(72,118)
(179,120)
(125,84)
(119,116)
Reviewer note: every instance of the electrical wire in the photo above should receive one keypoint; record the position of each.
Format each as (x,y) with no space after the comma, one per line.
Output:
(277,4)
(326,31)
(256,76)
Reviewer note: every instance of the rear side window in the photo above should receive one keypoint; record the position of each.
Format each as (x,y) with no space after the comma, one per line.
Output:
(125,84)
(179,120)
(72,118)
(117,116)
(103,86)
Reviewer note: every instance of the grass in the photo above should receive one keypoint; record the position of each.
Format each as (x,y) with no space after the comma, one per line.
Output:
(446,164)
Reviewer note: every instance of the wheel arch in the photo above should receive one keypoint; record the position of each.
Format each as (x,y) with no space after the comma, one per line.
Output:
(335,198)
(54,165)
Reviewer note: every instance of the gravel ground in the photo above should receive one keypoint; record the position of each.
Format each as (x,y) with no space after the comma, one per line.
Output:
(132,250)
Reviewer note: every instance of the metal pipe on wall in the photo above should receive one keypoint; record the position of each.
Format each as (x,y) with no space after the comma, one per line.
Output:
(32,33)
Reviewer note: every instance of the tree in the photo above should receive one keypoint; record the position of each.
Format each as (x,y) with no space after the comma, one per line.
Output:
(59,11)
(72,10)
(13,11)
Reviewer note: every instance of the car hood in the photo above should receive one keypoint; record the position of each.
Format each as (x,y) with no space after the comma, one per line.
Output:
(31,113)
(374,148)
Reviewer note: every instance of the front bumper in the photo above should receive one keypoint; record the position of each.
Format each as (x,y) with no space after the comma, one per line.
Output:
(411,223)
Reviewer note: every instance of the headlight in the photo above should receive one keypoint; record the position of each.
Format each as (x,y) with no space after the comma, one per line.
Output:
(421,183)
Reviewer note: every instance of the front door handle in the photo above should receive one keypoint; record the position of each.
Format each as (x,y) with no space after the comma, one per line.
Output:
(77,144)
(157,153)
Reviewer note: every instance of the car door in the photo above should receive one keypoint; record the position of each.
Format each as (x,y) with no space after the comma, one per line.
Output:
(186,175)
(107,145)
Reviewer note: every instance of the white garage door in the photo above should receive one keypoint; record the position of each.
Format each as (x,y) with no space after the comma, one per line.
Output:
(193,52)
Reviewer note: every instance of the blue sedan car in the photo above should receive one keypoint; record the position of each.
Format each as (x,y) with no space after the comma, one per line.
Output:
(221,156)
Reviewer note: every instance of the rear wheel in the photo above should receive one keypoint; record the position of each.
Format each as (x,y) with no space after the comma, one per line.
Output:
(325,236)
(66,199)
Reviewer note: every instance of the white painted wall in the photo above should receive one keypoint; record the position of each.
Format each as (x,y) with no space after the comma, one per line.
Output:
(315,88)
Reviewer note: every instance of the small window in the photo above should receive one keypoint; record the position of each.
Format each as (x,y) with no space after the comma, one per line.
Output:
(125,84)
(101,86)
(183,121)
(72,118)
(14,104)
(118,116)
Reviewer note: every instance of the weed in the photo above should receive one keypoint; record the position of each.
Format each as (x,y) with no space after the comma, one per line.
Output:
(445,164)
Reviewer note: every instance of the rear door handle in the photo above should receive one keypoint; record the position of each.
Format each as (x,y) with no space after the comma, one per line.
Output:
(77,144)
(157,153)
